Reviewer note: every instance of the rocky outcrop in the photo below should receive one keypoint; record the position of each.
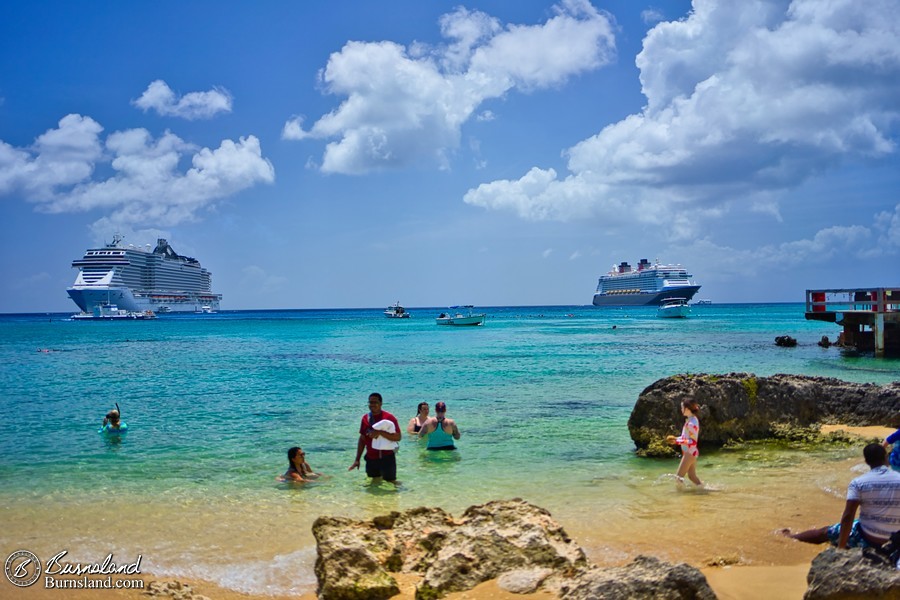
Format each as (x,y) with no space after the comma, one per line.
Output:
(646,577)
(847,574)
(515,541)
(742,406)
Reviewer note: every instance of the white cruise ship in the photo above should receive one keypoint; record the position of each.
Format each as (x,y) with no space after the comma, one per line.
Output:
(648,284)
(137,279)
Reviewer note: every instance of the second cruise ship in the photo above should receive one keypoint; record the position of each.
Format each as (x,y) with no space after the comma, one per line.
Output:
(648,284)
(137,279)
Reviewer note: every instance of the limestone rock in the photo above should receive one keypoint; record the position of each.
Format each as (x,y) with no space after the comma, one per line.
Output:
(523,581)
(494,538)
(646,577)
(847,574)
(742,406)
(351,559)
(355,558)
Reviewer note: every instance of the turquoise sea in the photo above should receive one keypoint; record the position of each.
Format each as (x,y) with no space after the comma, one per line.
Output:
(541,394)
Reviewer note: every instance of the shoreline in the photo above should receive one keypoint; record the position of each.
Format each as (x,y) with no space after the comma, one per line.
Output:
(736,545)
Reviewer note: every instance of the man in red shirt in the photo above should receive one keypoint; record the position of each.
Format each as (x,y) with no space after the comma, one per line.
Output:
(376,425)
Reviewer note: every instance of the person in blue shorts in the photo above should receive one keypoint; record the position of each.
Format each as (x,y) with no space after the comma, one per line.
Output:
(877,497)
(894,457)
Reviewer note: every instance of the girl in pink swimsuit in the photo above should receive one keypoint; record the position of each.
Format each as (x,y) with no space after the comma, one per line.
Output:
(688,442)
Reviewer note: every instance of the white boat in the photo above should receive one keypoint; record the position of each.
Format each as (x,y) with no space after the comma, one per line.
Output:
(137,279)
(110,312)
(674,308)
(649,284)
(461,315)
(703,301)
(395,311)
(205,309)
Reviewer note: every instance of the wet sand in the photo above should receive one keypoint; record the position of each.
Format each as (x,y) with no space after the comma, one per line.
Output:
(730,534)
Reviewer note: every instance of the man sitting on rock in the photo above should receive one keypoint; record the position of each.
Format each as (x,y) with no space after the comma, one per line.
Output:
(877,496)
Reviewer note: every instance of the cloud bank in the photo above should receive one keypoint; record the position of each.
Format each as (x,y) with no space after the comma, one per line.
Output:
(744,101)
(146,185)
(405,105)
(196,105)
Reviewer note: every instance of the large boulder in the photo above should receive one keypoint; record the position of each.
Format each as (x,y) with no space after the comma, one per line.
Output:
(513,541)
(646,577)
(495,538)
(742,406)
(849,575)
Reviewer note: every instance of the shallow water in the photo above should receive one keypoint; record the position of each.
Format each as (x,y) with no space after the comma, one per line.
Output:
(541,394)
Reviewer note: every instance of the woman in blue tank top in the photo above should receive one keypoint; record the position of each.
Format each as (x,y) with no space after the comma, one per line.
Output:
(440,430)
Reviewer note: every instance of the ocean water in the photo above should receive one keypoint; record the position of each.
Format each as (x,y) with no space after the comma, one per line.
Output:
(541,394)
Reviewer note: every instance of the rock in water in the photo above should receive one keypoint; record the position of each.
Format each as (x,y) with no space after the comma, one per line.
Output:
(742,406)
(785,341)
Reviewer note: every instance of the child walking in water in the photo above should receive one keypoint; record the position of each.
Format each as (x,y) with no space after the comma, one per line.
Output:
(688,442)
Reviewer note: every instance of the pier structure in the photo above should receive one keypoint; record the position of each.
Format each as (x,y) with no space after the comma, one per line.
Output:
(870,316)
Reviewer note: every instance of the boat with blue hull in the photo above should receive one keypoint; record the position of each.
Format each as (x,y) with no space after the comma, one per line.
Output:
(646,285)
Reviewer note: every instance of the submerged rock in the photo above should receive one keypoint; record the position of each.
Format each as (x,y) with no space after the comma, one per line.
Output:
(742,406)
(785,341)
(845,574)
(512,540)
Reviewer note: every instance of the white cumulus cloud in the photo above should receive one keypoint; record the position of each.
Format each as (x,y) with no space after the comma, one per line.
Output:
(404,104)
(744,100)
(195,105)
(147,186)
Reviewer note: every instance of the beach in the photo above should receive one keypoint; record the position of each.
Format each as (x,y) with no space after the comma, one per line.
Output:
(738,550)
(542,396)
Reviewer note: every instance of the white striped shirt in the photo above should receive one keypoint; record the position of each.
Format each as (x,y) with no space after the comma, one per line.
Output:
(878,493)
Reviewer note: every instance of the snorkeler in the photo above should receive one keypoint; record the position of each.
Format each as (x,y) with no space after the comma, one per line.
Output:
(113,424)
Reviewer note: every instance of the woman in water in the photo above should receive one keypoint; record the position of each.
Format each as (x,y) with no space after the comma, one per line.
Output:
(416,423)
(298,469)
(688,442)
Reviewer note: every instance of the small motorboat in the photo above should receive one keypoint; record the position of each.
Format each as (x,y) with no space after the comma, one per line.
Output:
(111,312)
(674,308)
(461,315)
(395,311)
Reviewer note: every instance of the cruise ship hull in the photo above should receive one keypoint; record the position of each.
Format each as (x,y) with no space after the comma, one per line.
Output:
(645,298)
(124,298)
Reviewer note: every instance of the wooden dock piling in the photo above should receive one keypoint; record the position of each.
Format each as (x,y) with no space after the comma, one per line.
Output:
(870,316)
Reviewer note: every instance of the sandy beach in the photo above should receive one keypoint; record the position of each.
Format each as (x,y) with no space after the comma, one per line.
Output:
(765,564)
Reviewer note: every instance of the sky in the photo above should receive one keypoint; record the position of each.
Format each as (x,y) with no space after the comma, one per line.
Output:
(352,154)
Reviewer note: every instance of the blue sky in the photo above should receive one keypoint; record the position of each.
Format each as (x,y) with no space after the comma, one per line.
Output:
(351,154)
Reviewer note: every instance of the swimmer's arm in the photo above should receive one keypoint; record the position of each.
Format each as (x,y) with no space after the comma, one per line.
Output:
(456,434)
(411,428)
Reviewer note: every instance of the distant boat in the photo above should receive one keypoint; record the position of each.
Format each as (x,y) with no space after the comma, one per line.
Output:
(205,309)
(703,301)
(461,315)
(395,311)
(673,308)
